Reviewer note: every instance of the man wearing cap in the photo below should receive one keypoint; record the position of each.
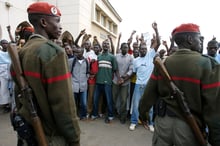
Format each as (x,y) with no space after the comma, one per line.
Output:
(45,68)
(195,75)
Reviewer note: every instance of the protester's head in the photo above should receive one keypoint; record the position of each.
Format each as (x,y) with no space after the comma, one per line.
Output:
(124,48)
(162,53)
(136,53)
(143,49)
(135,45)
(96,48)
(79,53)
(212,47)
(46,19)
(188,36)
(68,50)
(105,45)
(87,45)
(4,44)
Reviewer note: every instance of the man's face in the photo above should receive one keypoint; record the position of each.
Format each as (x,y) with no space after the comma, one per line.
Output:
(143,50)
(53,27)
(68,49)
(4,44)
(96,49)
(79,53)
(135,53)
(124,49)
(135,45)
(87,45)
(105,46)
(212,49)
(197,44)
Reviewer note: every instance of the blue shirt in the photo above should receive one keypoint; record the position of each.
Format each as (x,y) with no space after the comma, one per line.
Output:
(217,58)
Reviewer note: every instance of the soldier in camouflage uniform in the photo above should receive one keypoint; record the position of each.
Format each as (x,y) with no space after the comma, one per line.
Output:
(195,75)
(46,69)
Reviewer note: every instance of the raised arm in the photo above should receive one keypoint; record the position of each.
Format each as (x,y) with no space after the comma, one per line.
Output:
(131,38)
(137,38)
(165,45)
(9,33)
(118,44)
(82,32)
(112,45)
(130,51)
(156,39)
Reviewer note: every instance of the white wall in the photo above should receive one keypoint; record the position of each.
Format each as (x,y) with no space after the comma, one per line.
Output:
(12,15)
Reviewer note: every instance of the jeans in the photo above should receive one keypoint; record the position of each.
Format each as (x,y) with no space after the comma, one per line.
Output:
(138,92)
(82,97)
(107,89)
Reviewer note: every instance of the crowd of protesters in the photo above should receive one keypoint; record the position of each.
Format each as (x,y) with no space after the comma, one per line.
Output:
(114,92)
(108,80)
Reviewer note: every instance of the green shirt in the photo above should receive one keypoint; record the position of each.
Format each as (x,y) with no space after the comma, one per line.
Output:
(107,66)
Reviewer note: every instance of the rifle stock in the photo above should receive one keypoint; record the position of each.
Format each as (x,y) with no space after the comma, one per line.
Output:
(181,101)
(28,94)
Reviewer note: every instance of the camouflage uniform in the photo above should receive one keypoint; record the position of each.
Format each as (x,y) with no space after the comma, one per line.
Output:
(46,69)
(193,74)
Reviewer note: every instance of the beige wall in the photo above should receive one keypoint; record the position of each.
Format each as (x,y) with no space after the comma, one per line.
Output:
(76,15)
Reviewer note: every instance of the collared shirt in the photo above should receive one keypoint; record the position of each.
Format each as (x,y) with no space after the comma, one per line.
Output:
(143,67)
(125,66)
(79,76)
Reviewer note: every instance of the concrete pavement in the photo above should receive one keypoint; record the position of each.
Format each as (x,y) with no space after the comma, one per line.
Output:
(93,133)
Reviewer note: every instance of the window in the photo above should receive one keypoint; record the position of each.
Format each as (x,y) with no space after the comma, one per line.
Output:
(97,15)
(109,25)
(115,29)
(103,20)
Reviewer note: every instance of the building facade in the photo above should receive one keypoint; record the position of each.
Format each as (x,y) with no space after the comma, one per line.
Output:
(98,17)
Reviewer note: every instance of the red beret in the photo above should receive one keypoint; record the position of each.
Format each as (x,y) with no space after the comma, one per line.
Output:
(43,8)
(188,27)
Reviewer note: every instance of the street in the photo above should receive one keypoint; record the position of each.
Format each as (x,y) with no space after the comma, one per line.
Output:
(93,133)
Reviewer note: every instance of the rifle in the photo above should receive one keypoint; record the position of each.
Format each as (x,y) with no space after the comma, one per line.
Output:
(178,94)
(28,94)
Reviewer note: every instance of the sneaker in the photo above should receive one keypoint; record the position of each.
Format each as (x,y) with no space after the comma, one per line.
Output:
(83,118)
(132,127)
(151,128)
(108,120)
(94,117)
(101,115)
